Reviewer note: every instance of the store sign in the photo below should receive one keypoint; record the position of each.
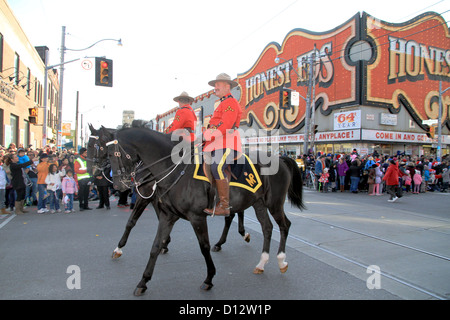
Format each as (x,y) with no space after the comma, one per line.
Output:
(334,74)
(409,60)
(347,120)
(393,136)
(388,119)
(7,92)
(333,136)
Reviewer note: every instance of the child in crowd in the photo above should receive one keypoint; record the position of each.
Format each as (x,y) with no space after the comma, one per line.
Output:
(417,178)
(69,189)
(324,180)
(53,181)
(378,180)
(407,181)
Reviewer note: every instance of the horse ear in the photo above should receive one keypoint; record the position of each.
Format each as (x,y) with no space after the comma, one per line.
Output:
(91,127)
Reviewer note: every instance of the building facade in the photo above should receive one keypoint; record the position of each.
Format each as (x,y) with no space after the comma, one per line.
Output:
(22,71)
(374,86)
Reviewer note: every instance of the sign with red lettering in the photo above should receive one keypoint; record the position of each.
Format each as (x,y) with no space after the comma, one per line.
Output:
(407,63)
(347,120)
(394,136)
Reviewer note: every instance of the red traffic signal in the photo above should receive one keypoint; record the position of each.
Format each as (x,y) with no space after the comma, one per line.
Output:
(103,72)
(285,98)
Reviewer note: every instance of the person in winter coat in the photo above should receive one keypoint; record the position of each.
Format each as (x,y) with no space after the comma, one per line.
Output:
(355,175)
(3,183)
(392,180)
(103,188)
(18,181)
(69,188)
(417,178)
(342,169)
(53,182)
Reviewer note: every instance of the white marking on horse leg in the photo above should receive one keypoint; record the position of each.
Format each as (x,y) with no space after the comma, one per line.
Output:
(117,252)
(282,261)
(262,262)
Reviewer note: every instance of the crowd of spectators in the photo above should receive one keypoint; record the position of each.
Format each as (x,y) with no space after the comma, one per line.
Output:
(369,173)
(20,176)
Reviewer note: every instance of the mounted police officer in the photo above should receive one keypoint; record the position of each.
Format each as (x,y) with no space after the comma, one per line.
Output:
(83,178)
(222,140)
(185,117)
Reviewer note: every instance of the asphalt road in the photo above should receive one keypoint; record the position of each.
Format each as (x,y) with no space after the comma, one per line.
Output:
(68,256)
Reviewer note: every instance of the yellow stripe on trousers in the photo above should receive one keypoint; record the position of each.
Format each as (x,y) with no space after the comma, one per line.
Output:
(222,162)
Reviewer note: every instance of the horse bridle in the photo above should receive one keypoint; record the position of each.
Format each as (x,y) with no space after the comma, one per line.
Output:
(123,175)
(97,165)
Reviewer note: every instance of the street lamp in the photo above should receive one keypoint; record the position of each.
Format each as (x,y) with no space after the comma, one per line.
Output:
(61,73)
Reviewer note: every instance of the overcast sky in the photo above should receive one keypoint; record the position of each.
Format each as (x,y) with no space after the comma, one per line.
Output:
(179,45)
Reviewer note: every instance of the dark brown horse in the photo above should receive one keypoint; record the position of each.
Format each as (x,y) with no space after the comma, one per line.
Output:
(141,154)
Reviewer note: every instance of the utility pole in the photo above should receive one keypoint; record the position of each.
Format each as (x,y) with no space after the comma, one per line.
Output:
(61,86)
(76,125)
(308,107)
(313,98)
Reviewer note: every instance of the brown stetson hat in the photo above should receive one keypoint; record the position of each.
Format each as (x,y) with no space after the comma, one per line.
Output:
(224,78)
(184,95)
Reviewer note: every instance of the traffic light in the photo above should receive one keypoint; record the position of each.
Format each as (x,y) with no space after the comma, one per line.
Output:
(103,72)
(33,113)
(285,98)
(431,132)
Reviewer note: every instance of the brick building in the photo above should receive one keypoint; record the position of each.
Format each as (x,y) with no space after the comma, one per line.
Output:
(22,70)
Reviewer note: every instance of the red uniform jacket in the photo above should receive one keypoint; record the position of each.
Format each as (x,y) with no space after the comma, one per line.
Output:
(185,118)
(222,133)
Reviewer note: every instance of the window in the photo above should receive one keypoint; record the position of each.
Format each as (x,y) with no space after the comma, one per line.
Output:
(16,66)
(14,125)
(28,81)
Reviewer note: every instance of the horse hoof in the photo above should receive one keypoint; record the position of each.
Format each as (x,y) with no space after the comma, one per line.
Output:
(247,237)
(284,269)
(139,292)
(117,253)
(216,249)
(164,250)
(258,271)
(206,286)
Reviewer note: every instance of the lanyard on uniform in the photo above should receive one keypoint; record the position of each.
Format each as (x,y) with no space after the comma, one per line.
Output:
(226,97)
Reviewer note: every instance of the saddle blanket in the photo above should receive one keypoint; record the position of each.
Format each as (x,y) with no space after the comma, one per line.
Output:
(244,175)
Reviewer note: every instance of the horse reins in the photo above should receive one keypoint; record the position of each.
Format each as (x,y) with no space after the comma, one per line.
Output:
(118,154)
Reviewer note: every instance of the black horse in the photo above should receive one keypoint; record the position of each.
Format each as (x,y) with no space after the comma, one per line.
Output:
(141,154)
(98,160)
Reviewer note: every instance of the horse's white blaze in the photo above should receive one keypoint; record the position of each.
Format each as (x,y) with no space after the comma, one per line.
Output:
(262,262)
(282,260)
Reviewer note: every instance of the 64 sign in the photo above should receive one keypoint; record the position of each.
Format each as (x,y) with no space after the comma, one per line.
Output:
(347,120)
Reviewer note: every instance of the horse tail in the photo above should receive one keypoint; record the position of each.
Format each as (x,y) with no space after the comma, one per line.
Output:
(295,191)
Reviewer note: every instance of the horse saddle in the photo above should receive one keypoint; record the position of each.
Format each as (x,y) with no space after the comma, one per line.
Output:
(242,174)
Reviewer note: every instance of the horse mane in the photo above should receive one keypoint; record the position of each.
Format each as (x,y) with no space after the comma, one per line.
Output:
(142,125)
